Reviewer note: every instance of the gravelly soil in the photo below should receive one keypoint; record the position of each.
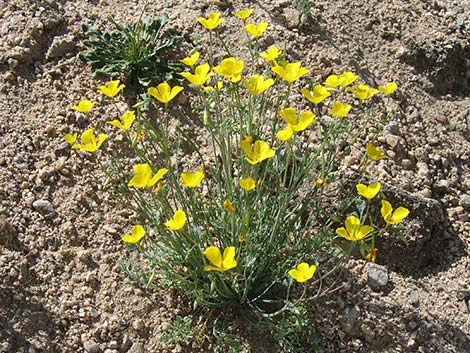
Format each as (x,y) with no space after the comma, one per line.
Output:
(61,289)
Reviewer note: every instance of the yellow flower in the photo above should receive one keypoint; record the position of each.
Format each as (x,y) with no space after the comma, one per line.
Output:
(89,141)
(83,106)
(230,68)
(271,54)
(321,183)
(354,231)
(363,92)
(256,31)
(143,176)
(247,184)
(163,92)
(347,78)
(192,179)
(333,81)
(372,255)
(138,233)
(212,22)
(71,138)
(218,85)
(191,60)
(201,75)
(126,121)
(340,110)
(320,93)
(374,153)
(260,152)
(178,221)
(294,125)
(291,71)
(258,84)
(228,205)
(368,191)
(393,217)
(389,88)
(219,262)
(303,272)
(244,14)
(111,89)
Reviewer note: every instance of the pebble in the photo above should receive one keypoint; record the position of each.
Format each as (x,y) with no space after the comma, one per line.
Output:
(6,231)
(348,319)
(136,348)
(464,201)
(377,276)
(393,141)
(91,346)
(45,208)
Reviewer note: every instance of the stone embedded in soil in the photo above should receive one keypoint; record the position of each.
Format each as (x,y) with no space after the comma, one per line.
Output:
(377,276)
(45,208)
(464,201)
(136,348)
(91,347)
(349,318)
(6,231)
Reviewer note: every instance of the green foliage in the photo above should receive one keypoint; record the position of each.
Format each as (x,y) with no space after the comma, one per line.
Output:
(181,331)
(137,51)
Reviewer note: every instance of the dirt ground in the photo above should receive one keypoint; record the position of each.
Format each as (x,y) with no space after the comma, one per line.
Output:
(61,287)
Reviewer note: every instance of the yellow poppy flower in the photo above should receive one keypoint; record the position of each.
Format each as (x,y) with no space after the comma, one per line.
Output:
(393,217)
(111,89)
(372,255)
(333,81)
(83,106)
(363,92)
(70,138)
(354,231)
(259,153)
(347,78)
(228,205)
(200,76)
(178,221)
(191,60)
(126,121)
(258,84)
(138,233)
(212,22)
(192,179)
(89,141)
(339,109)
(247,184)
(294,125)
(374,153)
(143,176)
(244,14)
(220,262)
(319,94)
(389,88)
(230,68)
(368,191)
(256,30)
(321,183)
(163,92)
(290,71)
(271,54)
(218,86)
(303,272)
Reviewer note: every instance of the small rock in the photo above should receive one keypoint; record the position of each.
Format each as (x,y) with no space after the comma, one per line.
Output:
(292,17)
(45,208)
(412,325)
(423,169)
(348,319)
(464,201)
(136,348)
(138,324)
(6,231)
(407,164)
(393,141)
(377,276)
(91,347)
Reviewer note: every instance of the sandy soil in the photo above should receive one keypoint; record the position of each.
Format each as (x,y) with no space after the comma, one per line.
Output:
(61,288)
